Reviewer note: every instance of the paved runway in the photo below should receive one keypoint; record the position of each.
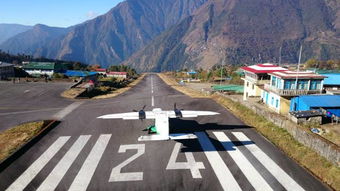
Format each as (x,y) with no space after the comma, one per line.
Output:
(25,102)
(86,153)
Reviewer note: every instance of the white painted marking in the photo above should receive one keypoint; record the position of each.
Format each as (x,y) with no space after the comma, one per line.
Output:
(117,175)
(181,136)
(152,101)
(269,164)
(36,166)
(152,138)
(86,172)
(61,114)
(221,170)
(191,164)
(53,179)
(243,163)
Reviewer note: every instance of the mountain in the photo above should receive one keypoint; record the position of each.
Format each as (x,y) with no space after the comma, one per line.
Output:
(33,41)
(245,32)
(9,30)
(113,37)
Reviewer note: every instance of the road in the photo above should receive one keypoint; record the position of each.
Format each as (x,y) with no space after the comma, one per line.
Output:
(86,153)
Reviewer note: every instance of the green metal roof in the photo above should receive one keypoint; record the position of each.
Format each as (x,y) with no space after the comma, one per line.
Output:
(43,66)
(235,88)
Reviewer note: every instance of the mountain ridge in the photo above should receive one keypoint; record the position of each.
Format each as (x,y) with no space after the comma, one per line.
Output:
(236,32)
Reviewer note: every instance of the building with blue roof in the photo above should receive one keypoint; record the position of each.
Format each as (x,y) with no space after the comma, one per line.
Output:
(78,73)
(332,83)
(85,75)
(329,103)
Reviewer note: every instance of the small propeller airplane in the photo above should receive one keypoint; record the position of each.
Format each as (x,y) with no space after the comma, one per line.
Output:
(161,127)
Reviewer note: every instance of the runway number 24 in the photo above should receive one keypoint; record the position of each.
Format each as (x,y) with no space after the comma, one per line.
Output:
(191,164)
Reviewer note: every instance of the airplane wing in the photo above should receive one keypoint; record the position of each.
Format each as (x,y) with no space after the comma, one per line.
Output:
(188,113)
(128,116)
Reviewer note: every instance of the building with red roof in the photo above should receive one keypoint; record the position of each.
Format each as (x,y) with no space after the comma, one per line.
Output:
(101,71)
(117,74)
(256,76)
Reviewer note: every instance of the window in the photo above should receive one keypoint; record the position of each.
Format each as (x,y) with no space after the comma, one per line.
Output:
(247,84)
(318,85)
(277,103)
(253,86)
(278,83)
(302,84)
(273,81)
(287,85)
(272,103)
(313,85)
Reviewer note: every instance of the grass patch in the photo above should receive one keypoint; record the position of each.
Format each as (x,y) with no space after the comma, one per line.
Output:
(14,138)
(318,165)
(116,92)
(174,84)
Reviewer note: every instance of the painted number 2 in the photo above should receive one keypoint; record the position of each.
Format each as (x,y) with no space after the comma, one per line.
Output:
(117,175)
(191,164)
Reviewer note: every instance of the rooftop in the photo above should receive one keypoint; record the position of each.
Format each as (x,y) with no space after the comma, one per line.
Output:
(321,100)
(263,68)
(78,73)
(332,79)
(117,73)
(100,70)
(42,65)
(301,75)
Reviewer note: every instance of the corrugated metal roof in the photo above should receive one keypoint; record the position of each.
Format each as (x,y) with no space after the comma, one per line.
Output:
(321,100)
(41,65)
(77,73)
(263,68)
(332,79)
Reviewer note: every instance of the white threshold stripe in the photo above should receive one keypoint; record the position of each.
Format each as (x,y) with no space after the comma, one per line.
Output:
(53,179)
(38,165)
(221,170)
(286,181)
(61,114)
(86,172)
(255,179)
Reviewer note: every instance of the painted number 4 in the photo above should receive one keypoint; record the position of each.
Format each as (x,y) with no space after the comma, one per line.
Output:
(191,164)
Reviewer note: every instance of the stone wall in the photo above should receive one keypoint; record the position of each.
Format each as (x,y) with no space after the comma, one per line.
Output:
(321,145)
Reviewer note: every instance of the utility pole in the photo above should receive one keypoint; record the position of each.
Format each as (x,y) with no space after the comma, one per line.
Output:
(298,70)
(222,70)
(280,55)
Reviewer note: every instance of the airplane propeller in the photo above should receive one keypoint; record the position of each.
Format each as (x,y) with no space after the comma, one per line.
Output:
(141,113)
(178,112)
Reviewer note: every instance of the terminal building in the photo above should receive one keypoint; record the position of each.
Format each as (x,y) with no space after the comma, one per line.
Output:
(43,68)
(6,70)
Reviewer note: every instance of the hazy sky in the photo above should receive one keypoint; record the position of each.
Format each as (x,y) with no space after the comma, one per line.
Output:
(61,13)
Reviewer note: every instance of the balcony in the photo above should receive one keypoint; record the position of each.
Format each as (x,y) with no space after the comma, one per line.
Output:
(290,93)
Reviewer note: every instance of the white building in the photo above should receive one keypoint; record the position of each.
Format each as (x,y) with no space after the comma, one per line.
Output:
(255,78)
(43,68)
(117,74)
